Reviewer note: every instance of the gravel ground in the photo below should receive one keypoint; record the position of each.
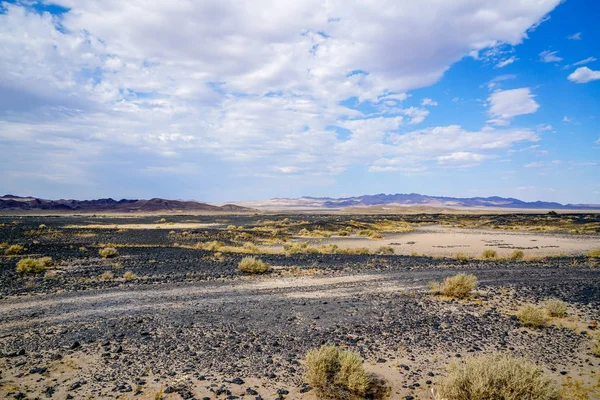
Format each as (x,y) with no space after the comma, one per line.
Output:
(196,328)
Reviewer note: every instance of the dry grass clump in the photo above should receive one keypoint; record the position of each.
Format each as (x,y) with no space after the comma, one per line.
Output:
(555,307)
(489,254)
(252,265)
(462,257)
(385,250)
(336,373)
(496,376)
(596,348)
(14,250)
(3,245)
(33,266)
(458,286)
(210,246)
(303,247)
(108,252)
(532,316)
(516,255)
(128,275)
(107,276)
(594,254)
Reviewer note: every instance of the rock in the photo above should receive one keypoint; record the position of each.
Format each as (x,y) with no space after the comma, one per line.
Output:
(38,370)
(75,345)
(251,391)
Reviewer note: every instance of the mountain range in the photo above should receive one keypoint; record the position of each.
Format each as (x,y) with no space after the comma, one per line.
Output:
(12,202)
(412,199)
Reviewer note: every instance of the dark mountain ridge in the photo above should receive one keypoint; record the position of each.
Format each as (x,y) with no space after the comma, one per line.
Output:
(11,202)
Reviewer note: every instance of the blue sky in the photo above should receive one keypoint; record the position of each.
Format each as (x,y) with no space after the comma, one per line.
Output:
(223,101)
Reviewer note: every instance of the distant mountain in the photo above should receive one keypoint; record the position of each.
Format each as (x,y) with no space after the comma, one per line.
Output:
(11,202)
(413,199)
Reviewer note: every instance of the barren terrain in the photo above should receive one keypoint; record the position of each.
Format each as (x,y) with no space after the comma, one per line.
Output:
(186,322)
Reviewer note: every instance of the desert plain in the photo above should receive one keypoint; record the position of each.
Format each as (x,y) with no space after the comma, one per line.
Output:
(167,313)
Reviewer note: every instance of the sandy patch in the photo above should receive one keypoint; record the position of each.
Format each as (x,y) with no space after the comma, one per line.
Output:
(443,241)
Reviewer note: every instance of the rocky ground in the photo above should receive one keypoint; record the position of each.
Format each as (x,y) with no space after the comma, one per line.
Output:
(191,325)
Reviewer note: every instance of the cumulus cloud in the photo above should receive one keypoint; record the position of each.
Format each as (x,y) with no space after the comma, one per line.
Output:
(548,56)
(428,102)
(506,104)
(575,36)
(226,83)
(584,75)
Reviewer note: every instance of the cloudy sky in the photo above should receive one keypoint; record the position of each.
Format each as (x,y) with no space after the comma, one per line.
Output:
(234,100)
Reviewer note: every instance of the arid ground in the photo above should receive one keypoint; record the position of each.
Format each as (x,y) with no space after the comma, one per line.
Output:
(171,313)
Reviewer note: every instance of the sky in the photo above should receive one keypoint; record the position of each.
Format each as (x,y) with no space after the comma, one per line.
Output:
(236,100)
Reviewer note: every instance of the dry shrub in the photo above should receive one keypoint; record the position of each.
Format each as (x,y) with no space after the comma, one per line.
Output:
(458,286)
(108,252)
(252,265)
(107,276)
(32,266)
(556,307)
(336,373)
(496,376)
(517,255)
(210,246)
(385,250)
(128,275)
(14,250)
(3,245)
(376,235)
(594,254)
(489,254)
(462,257)
(532,316)
(596,347)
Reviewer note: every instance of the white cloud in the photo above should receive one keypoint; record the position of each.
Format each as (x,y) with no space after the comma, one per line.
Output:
(506,104)
(584,75)
(239,86)
(541,164)
(567,120)
(428,102)
(575,36)
(549,56)
(586,61)
(463,158)
(506,62)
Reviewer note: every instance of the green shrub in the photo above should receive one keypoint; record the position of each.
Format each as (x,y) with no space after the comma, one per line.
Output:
(516,255)
(489,254)
(556,307)
(252,265)
(336,374)
(458,286)
(31,266)
(14,250)
(108,252)
(532,316)
(496,376)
